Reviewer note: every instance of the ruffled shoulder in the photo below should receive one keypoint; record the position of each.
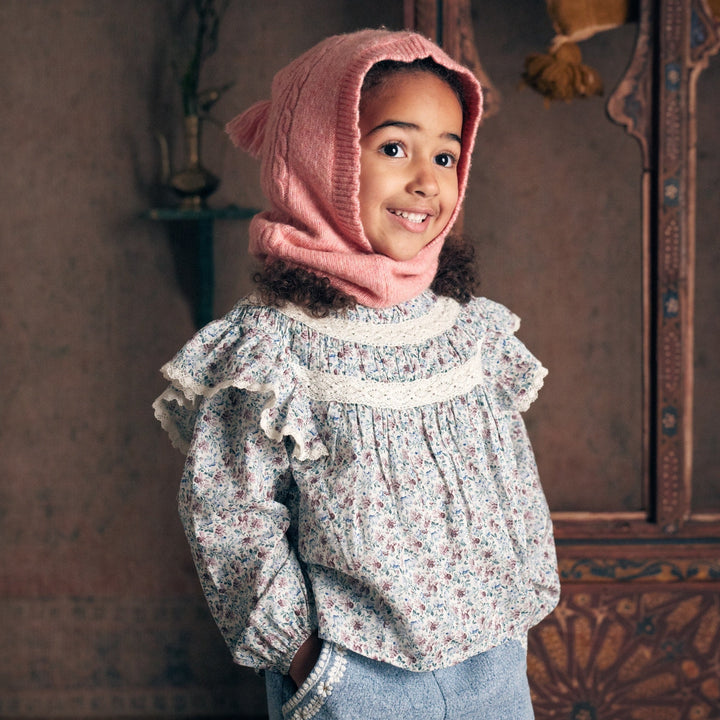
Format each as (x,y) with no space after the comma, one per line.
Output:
(508,366)
(246,350)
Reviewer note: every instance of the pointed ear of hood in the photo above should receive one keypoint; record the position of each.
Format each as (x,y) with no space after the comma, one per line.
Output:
(247,130)
(307,139)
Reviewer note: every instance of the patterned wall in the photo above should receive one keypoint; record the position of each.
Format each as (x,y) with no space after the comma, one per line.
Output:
(624,654)
(637,633)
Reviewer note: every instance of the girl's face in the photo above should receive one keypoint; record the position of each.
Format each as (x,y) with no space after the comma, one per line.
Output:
(410,130)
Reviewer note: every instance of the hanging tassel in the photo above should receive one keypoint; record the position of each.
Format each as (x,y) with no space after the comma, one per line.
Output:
(575,20)
(561,75)
(247,130)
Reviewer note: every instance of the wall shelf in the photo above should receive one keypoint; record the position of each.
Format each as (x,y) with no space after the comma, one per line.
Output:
(191,232)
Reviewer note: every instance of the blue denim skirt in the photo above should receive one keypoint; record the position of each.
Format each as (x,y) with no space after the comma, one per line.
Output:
(347,686)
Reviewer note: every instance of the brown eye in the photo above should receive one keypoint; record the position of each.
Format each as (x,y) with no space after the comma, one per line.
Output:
(445,160)
(392,150)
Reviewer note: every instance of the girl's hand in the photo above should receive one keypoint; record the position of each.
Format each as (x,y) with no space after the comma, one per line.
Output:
(305,659)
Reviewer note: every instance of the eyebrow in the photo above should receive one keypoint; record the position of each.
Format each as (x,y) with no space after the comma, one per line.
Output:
(411,126)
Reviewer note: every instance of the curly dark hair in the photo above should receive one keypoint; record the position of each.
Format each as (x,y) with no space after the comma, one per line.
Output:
(281,283)
(456,276)
(381,71)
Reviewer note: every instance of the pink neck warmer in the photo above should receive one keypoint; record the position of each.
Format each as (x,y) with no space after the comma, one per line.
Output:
(308,142)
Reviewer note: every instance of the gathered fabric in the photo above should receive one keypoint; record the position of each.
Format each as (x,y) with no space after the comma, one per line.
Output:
(366,475)
(308,142)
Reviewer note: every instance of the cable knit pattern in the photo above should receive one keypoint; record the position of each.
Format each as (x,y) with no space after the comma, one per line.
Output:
(308,143)
(366,474)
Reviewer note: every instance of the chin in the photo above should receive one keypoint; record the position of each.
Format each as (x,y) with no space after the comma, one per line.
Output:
(402,257)
(404,254)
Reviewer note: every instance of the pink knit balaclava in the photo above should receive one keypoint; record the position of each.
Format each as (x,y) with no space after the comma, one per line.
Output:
(308,141)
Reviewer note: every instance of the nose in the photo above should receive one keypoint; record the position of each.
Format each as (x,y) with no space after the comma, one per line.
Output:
(423,181)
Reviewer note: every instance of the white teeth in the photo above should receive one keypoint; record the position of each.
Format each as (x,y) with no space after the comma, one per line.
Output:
(412,217)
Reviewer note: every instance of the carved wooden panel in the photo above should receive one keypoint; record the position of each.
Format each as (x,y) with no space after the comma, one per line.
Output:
(706,391)
(656,102)
(628,654)
(637,633)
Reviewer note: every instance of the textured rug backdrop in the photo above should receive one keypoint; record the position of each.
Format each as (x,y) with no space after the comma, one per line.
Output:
(119,658)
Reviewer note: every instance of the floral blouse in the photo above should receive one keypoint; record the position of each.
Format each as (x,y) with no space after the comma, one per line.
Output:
(367,475)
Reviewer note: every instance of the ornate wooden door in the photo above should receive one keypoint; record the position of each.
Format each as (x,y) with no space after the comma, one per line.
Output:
(637,632)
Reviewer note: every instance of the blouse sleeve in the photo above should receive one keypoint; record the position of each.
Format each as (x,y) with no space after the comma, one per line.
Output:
(511,370)
(234,409)
(515,376)
(540,556)
(234,479)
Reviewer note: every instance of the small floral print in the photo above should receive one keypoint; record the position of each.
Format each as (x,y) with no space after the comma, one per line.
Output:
(422,530)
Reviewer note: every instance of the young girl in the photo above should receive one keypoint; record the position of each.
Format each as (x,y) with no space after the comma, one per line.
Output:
(360,494)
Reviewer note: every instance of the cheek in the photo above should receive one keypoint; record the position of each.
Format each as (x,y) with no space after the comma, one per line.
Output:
(365,186)
(365,201)
(451,194)
(372,189)
(372,176)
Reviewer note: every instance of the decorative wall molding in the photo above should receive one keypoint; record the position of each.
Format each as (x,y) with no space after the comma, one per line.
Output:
(625,569)
(628,656)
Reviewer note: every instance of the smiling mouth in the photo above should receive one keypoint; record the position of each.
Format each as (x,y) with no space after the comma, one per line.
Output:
(412,217)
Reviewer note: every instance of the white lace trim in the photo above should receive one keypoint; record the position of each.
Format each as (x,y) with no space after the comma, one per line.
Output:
(438,320)
(189,391)
(531,395)
(327,673)
(329,387)
(167,421)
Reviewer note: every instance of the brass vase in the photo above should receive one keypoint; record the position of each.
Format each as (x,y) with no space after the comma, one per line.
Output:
(194,183)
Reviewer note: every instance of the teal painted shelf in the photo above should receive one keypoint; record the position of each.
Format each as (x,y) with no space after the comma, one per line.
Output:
(231,212)
(192,232)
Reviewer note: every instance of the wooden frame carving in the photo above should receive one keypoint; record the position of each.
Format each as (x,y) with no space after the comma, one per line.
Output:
(655,101)
(636,635)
